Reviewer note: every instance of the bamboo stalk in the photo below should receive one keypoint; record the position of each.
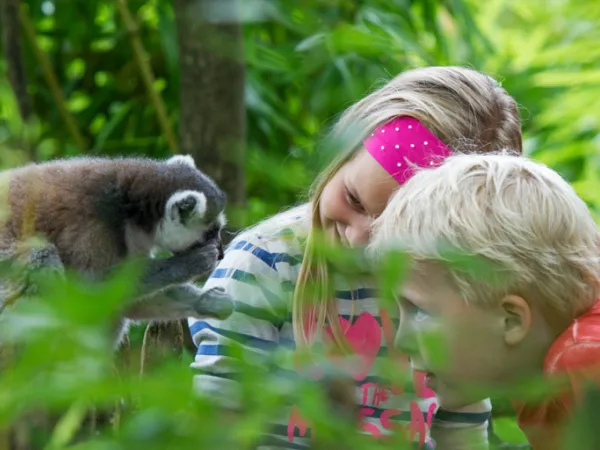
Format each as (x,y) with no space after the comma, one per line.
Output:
(50,77)
(67,427)
(12,43)
(11,39)
(147,74)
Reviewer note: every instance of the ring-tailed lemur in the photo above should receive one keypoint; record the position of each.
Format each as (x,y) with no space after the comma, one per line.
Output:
(94,213)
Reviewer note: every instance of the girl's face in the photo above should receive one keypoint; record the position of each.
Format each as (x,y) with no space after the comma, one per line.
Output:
(356,195)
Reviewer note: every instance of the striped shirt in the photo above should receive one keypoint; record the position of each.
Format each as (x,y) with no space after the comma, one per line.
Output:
(259,271)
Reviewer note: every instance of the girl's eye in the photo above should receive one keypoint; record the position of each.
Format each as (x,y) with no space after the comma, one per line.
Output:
(421,315)
(354,201)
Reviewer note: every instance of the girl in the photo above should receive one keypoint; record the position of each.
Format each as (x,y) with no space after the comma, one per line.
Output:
(426,113)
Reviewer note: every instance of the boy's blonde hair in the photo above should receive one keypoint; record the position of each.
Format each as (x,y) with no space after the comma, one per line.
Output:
(462,107)
(518,216)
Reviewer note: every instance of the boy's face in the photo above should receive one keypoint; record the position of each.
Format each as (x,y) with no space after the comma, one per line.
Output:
(465,349)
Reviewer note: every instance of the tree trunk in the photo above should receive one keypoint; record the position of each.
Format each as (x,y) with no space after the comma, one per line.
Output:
(212,114)
(212,124)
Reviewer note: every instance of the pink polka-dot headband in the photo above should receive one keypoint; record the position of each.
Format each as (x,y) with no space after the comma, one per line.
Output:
(402,144)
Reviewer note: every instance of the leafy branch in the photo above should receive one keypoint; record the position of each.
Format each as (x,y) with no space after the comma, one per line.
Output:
(50,77)
(147,74)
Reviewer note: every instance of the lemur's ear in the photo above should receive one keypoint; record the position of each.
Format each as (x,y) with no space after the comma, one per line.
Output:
(182,159)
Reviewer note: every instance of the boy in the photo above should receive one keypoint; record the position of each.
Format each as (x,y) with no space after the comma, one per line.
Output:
(524,302)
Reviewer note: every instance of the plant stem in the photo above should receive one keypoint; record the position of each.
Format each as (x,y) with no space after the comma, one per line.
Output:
(147,75)
(50,77)
(67,426)
(11,40)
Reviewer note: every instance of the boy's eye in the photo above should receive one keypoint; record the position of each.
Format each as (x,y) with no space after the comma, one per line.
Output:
(421,315)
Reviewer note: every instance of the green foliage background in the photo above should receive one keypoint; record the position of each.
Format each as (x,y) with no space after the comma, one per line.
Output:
(306,61)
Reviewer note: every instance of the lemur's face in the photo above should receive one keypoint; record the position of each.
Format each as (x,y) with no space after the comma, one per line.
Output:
(194,213)
(188,220)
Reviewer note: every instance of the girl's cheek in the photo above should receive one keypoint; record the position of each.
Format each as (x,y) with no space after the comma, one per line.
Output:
(332,201)
(325,208)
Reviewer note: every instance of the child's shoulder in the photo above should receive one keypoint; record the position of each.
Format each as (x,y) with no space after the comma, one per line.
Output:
(280,235)
(578,346)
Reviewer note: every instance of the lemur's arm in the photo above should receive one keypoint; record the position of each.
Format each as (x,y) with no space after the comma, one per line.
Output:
(41,262)
(180,268)
(23,270)
(164,296)
(180,302)
(162,293)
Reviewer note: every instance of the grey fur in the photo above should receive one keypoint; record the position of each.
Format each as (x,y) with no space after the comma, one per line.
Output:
(42,259)
(183,301)
(97,212)
(179,268)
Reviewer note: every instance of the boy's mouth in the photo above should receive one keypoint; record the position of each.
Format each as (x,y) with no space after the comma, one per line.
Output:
(430,378)
(431,381)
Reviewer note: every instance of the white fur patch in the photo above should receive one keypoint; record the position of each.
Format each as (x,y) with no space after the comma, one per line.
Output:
(172,234)
(184,159)
(199,209)
(221,220)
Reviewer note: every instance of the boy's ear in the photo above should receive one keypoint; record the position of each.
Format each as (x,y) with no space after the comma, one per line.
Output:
(517,318)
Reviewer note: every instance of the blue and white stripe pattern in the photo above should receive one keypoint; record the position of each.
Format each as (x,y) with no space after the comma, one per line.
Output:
(259,271)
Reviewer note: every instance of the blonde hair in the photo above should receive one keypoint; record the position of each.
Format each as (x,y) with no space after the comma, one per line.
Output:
(515,216)
(464,108)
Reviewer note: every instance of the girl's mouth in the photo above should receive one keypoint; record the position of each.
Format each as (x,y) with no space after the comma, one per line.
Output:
(341,235)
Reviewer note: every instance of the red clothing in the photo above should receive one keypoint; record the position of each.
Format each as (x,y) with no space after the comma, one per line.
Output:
(575,355)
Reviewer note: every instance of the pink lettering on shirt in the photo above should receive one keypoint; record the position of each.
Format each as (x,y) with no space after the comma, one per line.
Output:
(364,337)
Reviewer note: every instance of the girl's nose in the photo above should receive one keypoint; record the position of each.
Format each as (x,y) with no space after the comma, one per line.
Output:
(358,232)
